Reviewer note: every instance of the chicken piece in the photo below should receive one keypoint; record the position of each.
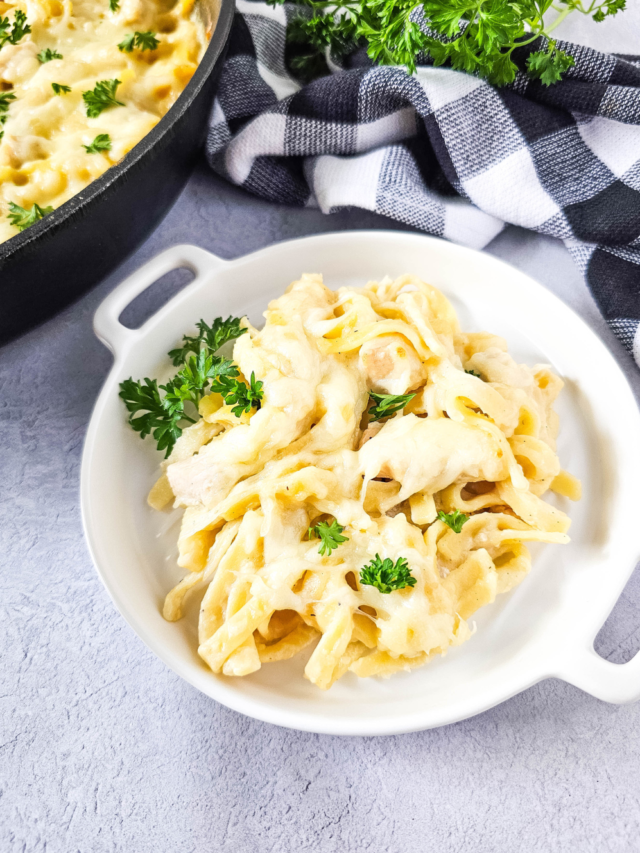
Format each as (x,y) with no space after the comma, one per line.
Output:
(391,365)
(429,454)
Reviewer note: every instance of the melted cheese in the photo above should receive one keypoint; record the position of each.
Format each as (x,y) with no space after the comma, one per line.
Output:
(484,446)
(42,159)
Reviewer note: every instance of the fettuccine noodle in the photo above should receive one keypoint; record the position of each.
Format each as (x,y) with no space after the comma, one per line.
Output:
(481,443)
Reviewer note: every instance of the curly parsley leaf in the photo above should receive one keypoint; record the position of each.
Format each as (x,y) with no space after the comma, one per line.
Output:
(126,45)
(47,55)
(23,218)
(549,66)
(214,337)
(245,397)
(147,40)
(454,519)
(102,142)
(19,28)
(159,418)
(143,41)
(5,100)
(387,404)
(59,89)
(473,373)
(387,576)
(114,5)
(330,536)
(102,96)
(608,9)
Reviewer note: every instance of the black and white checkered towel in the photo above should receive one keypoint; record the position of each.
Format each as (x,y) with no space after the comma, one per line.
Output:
(444,151)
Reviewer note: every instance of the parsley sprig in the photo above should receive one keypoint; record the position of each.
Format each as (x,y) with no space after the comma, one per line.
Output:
(330,536)
(387,576)
(103,95)
(102,142)
(114,5)
(143,41)
(19,28)
(5,101)
(165,415)
(473,373)
(60,89)
(47,55)
(477,36)
(214,337)
(23,218)
(387,404)
(454,519)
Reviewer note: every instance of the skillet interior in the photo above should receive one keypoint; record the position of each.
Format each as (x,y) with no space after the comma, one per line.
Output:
(50,264)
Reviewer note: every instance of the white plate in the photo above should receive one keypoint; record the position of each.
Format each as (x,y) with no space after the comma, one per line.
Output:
(546,627)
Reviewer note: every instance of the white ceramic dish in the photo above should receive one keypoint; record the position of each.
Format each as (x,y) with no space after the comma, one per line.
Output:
(545,628)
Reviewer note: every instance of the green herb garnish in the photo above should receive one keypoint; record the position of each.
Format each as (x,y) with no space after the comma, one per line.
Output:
(23,218)
(245,397)
(387,404)
(385,576)
(127,43)
(214,337)
(454,519)
(477,36)
(330,534)
(143,41)
(102,142)
(59,89)
(160,419)
(19,29)
(473,373)
(47,55)
(165,415)
(102,96)
(114,5)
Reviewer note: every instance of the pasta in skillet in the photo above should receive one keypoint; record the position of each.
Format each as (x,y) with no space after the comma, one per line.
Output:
(81,83)
(384,490)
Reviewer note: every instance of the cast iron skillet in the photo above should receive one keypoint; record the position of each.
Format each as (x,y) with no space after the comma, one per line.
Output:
(53,262)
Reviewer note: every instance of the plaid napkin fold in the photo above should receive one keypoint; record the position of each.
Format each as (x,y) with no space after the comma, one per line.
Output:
(444,151)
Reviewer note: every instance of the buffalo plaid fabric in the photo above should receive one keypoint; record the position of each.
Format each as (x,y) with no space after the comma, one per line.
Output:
(444,151)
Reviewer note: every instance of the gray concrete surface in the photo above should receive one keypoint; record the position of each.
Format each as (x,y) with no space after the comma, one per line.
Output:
(102,748)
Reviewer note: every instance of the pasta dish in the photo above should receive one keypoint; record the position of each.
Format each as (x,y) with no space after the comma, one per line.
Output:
(357,481)
(80,84)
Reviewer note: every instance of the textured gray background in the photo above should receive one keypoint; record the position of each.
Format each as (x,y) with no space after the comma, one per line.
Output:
(103,749)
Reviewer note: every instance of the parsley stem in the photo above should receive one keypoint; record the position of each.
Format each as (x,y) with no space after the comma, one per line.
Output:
(563,14)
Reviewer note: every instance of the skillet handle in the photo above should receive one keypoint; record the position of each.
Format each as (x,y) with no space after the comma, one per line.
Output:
(611,682)
(106,323)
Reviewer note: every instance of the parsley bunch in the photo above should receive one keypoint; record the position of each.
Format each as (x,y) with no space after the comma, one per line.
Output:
(19,29)
(477,36)
(330,536)
(162,416)
(387,576)
(386,405)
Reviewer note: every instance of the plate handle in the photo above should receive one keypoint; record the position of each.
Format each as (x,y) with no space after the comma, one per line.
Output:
(106,323)
(611,682)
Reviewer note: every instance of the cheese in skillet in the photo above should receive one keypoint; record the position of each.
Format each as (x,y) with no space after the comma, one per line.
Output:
(80,84)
